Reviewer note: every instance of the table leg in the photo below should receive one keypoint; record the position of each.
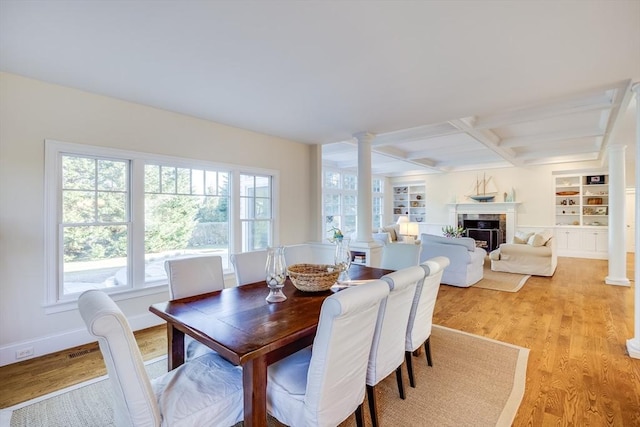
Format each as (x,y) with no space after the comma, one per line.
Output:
(175,340)
(254,379)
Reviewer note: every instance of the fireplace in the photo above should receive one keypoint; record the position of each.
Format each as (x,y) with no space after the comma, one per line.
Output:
(481,221)
(488,230)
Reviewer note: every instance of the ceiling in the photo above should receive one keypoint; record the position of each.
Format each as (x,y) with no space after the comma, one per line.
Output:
(443,86)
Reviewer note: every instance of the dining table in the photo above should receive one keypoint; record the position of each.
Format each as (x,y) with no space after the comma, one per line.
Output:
(240,325)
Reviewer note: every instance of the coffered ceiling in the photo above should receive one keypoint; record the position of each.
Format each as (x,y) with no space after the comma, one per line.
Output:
(443,86)
(570,129)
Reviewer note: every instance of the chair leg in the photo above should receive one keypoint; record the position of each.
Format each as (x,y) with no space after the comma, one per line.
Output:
(400,383)
(427,349)
(359,419)
(407,358)
(371,396)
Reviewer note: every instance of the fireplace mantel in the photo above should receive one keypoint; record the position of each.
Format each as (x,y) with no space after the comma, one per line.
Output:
(510,209)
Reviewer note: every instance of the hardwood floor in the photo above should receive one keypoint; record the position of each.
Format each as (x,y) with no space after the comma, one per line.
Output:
(576,327)
(35,377)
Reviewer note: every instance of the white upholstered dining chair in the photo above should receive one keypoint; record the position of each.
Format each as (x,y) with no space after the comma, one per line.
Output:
(324,384)
(387,350)
(421,315)
(194,276)
(204,391)
(249,267)
(396,256)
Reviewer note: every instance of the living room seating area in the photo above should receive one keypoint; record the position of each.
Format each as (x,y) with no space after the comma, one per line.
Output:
(466,260)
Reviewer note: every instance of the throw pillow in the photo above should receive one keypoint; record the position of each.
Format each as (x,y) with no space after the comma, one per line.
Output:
(539,239)
(522,237)
(392,232)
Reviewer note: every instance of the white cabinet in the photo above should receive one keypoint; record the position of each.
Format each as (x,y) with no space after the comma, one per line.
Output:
(582,242)
(409,200)
(567,239)
(595,241)
(582,215)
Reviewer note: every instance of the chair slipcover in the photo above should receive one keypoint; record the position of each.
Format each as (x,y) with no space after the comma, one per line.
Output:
(249,267)
(194,276)
(396,256)
(204,391)
(299,254)
(421,314)
(387,350)
(323,386)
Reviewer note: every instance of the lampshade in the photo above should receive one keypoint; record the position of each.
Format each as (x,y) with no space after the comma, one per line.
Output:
(402,219)
(413,229)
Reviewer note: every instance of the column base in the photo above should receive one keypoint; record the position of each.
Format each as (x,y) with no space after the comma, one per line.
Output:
(633,347)
(619,281)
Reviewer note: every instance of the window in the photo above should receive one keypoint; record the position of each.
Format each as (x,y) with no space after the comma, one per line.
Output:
(185,214)
(116,216)
(95,224)
(340,197)
(255,211)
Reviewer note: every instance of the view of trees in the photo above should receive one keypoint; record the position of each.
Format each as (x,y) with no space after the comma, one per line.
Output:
(183,208)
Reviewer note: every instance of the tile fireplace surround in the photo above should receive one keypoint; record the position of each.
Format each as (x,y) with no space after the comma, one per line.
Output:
(509,209)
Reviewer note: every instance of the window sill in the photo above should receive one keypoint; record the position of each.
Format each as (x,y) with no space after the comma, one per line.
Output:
(72,304)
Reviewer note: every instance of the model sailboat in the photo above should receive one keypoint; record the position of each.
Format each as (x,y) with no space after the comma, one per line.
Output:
(484,190)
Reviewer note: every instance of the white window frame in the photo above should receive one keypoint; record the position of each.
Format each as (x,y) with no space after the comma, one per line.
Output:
(341,192)
(55,301)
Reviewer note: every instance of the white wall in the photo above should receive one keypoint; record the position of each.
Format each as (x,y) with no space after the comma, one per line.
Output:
(534,188)
(32,111)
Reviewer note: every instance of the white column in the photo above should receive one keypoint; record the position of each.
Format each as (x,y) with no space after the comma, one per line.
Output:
(633,345)
(617,250)
(365,208)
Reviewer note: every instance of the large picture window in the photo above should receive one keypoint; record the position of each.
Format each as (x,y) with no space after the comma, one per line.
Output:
(116,216)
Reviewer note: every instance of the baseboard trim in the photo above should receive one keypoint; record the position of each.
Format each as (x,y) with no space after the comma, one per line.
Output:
(50,344)
(618,281)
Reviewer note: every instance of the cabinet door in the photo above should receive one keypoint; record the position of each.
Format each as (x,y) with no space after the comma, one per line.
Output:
(568,239)
(595,240)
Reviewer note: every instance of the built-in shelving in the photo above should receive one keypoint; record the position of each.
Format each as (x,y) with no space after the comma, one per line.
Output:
(582,215)
(582,200)
(409,200)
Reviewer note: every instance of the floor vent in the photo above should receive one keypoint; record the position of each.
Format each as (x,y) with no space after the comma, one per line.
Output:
(81,353)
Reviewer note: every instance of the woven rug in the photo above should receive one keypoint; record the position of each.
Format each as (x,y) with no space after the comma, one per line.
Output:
(499,281)
(474,381)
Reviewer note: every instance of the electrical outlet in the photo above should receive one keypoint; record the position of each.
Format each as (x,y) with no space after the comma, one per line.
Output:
(25,352)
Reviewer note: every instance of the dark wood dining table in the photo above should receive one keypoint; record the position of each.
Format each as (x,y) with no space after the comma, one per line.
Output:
(248,331)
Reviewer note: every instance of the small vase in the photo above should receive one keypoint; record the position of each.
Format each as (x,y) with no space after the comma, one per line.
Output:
(276,273)
(342,259)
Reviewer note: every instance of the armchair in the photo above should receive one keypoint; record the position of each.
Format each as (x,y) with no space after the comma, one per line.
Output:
(466,260)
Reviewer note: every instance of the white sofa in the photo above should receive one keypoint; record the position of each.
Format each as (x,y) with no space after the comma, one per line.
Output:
(465,259)
(530,253)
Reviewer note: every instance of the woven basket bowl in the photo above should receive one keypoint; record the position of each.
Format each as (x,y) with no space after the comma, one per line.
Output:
(313,277)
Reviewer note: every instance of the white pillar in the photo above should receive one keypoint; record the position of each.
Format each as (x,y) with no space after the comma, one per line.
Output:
(633,345)
(365,207)
(617,250)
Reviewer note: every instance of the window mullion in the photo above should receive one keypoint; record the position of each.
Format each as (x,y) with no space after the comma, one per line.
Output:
(136,224)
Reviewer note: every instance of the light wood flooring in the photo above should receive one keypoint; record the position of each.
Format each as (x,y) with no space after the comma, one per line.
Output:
(579,373)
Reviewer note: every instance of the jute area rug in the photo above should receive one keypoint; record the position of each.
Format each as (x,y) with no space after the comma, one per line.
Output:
(474,381)
(499,281)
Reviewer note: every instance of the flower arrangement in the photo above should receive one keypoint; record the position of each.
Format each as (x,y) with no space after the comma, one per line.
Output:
(451,231)
(337,235)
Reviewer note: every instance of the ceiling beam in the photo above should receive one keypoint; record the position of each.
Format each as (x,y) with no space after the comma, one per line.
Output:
(521,141)
(616,116)
(487,138)
(599,99)
(414,134)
